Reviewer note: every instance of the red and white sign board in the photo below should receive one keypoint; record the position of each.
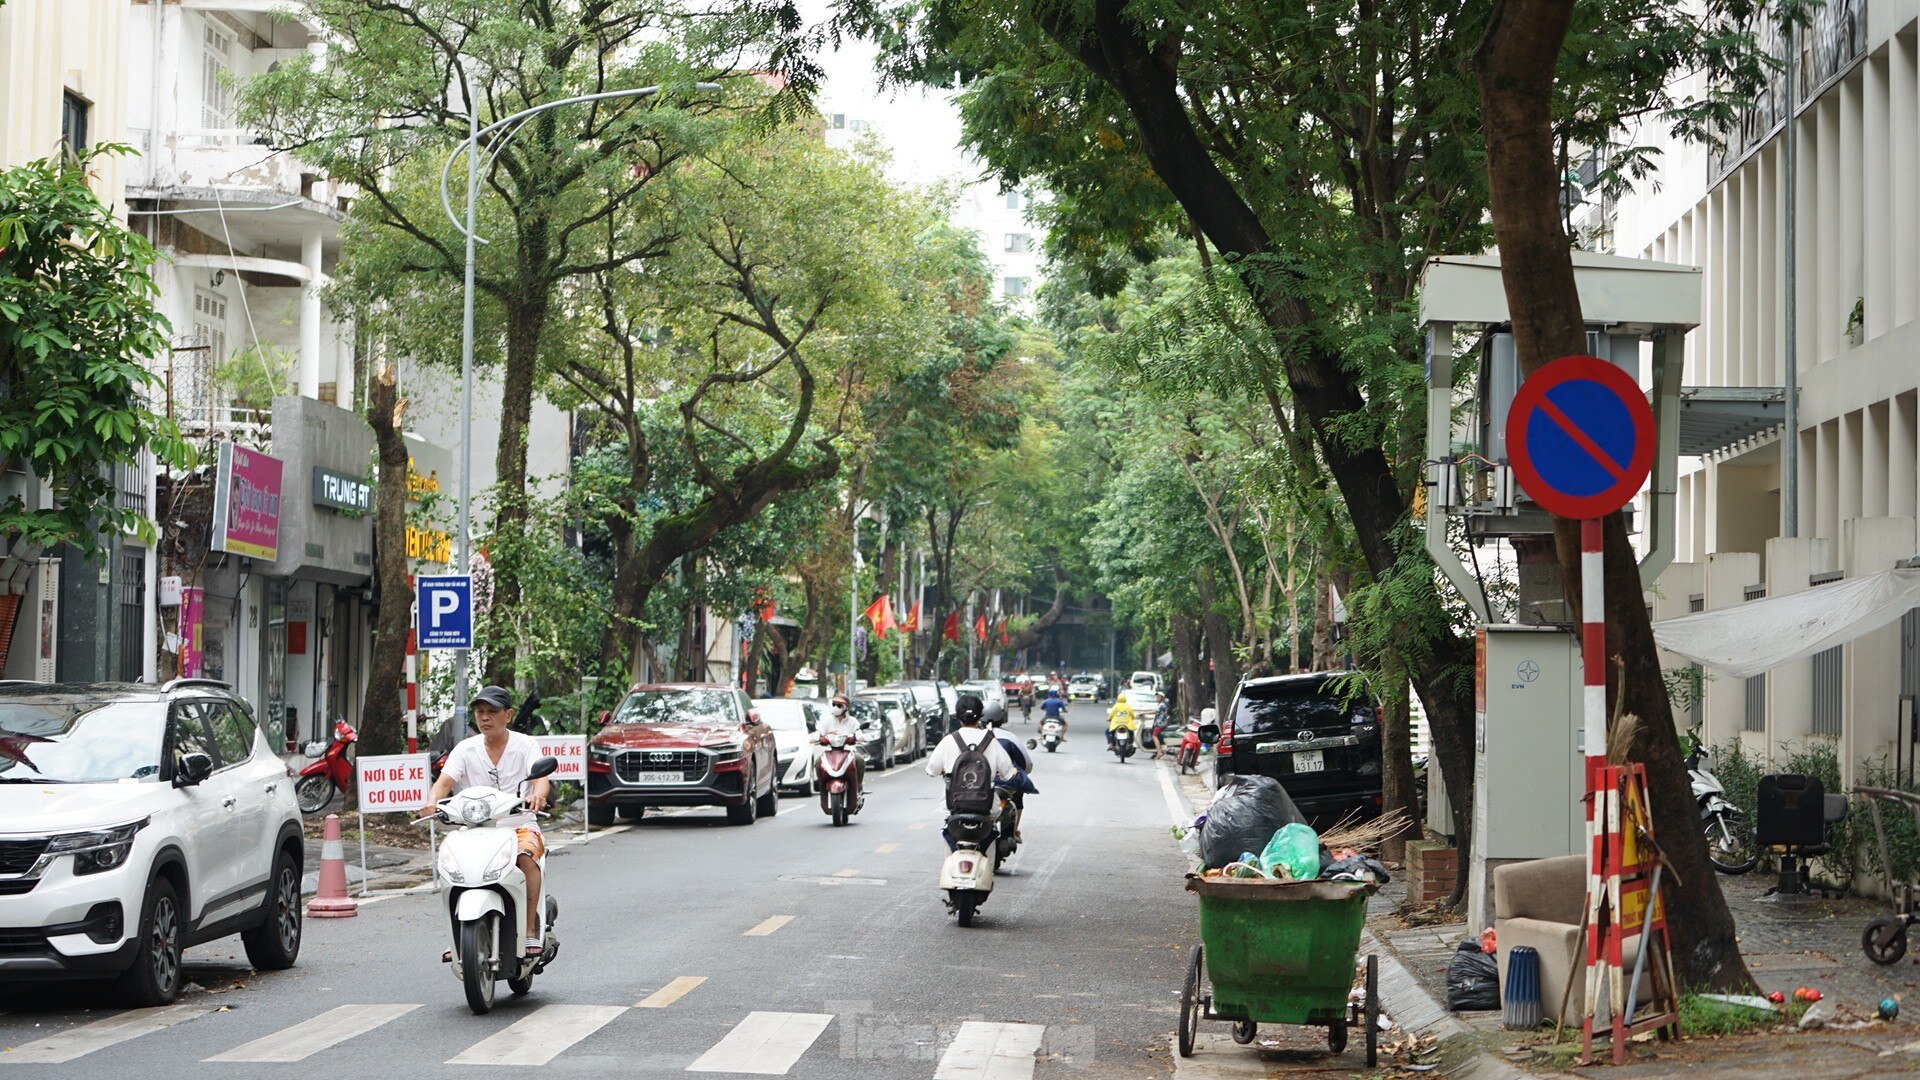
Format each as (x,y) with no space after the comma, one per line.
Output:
(392,783)
(570,751)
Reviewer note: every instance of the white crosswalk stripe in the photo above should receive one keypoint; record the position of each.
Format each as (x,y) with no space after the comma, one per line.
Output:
(540,1037)
(81,1041)
(766,1043)
(309,1037)
(983,1051)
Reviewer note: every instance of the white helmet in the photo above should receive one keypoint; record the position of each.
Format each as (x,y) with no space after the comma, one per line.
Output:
(1209,715)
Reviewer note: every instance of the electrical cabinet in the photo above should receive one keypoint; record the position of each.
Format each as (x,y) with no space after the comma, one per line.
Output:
(1528,764)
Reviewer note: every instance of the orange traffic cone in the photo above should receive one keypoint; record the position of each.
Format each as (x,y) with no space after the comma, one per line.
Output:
(332,902)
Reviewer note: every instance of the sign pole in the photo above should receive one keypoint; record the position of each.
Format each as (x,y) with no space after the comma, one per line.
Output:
(1593,645)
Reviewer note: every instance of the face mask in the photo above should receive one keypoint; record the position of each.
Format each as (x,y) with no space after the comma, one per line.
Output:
(839,709)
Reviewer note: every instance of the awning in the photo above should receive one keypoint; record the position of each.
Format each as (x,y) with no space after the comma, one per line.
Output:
(1759,635)
(1713,418)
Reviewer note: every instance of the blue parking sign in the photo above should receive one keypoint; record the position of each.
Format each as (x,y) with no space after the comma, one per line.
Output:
(446,611)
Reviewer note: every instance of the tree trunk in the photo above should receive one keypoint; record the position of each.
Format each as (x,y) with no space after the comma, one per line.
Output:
(1219,634)
(1396,753)
(383,716)
(1030,637)
(1515,65)
(1192,692)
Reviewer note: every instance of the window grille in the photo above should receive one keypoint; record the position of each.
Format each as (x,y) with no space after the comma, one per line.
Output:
(216,79)
(1826,691)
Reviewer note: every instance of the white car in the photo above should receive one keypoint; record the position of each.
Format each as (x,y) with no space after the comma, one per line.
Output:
(1145,680)
(993,699)
(136,821)
(795,748)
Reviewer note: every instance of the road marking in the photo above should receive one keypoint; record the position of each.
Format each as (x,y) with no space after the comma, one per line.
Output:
(886,849)
(769,926)
(309,1037)
(846,873)
(671,992)
(984,1051)
(541,1037)
(767,1043)
(916,826)
(1176,810)
(84,1040)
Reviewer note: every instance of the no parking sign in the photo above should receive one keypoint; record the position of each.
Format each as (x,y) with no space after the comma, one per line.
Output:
(1581,438)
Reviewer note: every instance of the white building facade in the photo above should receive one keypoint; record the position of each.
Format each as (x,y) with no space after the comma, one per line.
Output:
(1855,107)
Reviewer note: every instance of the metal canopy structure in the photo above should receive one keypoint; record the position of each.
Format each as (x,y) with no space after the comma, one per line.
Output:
(1717,418)
(1621,298)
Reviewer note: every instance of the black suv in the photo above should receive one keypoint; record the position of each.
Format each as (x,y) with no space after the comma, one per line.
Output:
(1308,733)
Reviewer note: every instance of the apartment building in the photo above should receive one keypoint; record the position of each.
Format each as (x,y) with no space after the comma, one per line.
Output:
(1854,103)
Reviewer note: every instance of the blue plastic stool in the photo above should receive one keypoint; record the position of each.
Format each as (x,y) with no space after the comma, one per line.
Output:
(1522,996)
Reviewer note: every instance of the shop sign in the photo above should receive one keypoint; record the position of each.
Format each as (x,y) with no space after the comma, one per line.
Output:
(339,491)
(429,545)
(246,503)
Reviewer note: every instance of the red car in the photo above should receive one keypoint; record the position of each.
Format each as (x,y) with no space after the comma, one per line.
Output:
(682,744)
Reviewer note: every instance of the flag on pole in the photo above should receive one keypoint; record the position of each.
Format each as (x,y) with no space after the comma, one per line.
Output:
(980,628)
(912,625)
(951,628)
(880,613)
(1004,639)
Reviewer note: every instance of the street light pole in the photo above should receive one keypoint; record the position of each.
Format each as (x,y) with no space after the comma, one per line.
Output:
(471,148)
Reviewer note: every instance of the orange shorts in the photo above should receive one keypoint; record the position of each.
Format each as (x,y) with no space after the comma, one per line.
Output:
(531,842)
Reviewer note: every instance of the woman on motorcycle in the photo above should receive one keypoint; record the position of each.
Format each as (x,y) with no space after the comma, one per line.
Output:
(1119,717)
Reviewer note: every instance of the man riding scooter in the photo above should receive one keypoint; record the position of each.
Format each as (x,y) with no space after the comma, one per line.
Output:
(501,758)
(969,710)
(1055,708)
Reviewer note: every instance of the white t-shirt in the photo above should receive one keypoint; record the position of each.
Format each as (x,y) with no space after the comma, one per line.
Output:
(471,766)
(948,752)
(847,723)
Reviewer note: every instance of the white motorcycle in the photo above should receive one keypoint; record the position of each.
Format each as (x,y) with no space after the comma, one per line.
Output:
(967,875)
(1050,735)
(486,893)
(1728,847)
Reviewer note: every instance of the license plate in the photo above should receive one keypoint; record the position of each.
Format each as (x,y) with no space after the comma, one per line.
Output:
(1309,761)
(663,778)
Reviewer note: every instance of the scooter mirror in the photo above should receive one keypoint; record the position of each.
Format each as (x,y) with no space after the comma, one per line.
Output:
(1033,744)
(542,767)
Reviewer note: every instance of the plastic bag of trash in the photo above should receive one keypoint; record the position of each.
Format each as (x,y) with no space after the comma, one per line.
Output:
(1297,848)
(1473,980)
(1245,813)
(1356,868)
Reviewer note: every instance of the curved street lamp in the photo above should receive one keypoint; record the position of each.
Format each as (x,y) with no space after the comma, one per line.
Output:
(470,147)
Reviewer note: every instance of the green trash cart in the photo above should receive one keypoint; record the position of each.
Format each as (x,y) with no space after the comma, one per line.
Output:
(1280,952)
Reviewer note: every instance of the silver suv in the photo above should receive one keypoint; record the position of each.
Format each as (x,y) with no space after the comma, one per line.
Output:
(135,821)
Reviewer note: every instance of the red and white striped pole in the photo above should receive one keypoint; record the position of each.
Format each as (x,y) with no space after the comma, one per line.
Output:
(413,673)
(1593,645)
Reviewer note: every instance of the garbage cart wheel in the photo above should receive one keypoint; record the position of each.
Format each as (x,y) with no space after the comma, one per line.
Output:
(1885,940)
(1337,1036)
(1244,1031)
(1373,1010)
(1190,1005)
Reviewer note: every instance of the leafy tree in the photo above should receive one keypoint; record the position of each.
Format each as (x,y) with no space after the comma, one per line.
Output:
(397,90)
(77,322)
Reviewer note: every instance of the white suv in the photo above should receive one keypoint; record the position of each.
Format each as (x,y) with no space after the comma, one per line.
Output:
(135,821)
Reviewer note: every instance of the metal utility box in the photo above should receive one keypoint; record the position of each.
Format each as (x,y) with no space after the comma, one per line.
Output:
(1527,760)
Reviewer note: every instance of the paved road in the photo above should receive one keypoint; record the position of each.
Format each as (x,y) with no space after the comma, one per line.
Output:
(784,948)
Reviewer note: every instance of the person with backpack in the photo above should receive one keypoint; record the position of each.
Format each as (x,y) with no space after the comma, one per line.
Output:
(970,759)
(1021,785)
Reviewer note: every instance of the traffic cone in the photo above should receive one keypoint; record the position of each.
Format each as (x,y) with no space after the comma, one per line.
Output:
(332,902)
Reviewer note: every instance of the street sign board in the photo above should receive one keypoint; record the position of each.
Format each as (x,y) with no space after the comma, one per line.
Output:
(392,783)
(446,611)
(570,751)
(1580,437)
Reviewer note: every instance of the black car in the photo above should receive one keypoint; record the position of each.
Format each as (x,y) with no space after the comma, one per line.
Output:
(1311,733)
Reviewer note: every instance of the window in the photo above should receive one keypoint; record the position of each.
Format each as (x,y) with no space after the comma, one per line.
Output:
(1757,702)
(837,121)
(232,733)
(216,78)
(1013,286)
(1016,201)
(1826,691)
(190,734)
(1019,243)
(73,123)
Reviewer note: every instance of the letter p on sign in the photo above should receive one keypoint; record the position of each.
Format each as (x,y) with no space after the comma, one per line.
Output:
(446,610)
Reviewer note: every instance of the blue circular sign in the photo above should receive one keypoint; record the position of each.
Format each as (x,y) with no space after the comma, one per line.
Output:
(1580,437)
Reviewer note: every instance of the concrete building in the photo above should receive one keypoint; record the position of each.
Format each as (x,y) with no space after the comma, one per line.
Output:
(1855,107)
(63,82)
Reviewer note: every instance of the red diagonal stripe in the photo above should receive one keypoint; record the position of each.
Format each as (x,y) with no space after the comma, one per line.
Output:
(1581,438)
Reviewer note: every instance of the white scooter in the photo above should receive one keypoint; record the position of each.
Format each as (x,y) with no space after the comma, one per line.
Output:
(967,875)
(1727,840)
(486,891)
(1050,735)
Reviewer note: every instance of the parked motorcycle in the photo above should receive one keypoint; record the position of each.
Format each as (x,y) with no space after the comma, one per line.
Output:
(1050,735)
(330,773)
(967,875)
(1728,845)
(486,893)
(1196,736)
(1123,744)
(841,794)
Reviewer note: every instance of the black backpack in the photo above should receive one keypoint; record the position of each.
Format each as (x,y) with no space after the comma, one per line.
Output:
(970,781)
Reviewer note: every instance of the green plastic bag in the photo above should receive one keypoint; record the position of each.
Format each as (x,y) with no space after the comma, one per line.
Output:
(1294,848)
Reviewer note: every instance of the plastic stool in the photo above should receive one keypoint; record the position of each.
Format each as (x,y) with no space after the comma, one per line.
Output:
(1522,997)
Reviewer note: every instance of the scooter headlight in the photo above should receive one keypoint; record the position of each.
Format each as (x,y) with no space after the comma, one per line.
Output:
(476,812)
(501,860)
(450,867)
